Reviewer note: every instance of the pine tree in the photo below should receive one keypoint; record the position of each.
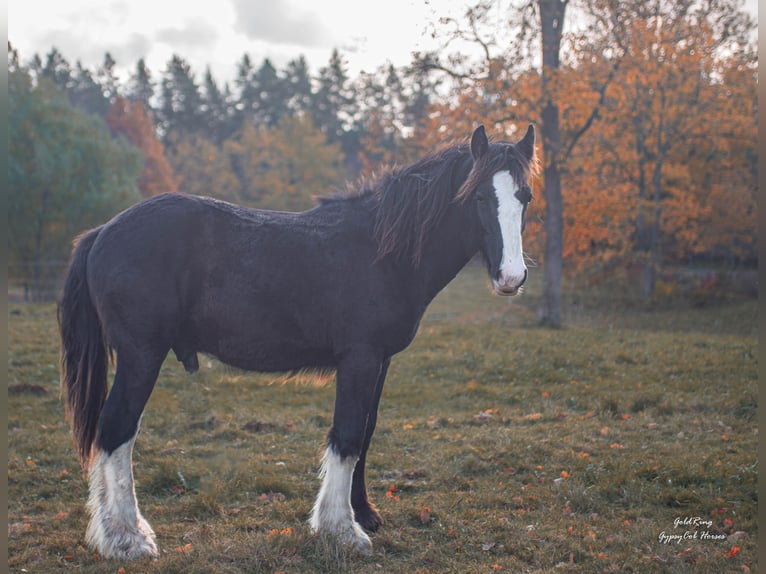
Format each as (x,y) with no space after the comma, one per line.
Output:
(181,102)
(86,94)
(298,87)
(333,104)
(141,86)
(217,110)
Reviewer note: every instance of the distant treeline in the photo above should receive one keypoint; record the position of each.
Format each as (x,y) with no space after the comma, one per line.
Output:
(657,108)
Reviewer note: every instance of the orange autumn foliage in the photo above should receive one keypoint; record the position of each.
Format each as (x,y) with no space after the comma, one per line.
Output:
(130,119)
(658,121)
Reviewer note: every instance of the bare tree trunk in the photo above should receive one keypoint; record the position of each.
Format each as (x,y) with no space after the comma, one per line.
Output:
(552,21)
(655,255)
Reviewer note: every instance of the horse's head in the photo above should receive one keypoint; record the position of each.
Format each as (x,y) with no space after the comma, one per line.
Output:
(498,189)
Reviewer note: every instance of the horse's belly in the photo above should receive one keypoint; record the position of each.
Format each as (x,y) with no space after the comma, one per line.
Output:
(272,356)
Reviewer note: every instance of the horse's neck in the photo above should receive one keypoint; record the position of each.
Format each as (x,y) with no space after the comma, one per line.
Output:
(447,251)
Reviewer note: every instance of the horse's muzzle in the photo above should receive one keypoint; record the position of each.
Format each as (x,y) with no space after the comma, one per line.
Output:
(509,286)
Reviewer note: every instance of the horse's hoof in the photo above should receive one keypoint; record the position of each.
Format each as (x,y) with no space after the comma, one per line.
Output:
(368,518)
(351,536)
(127,543)
(357,540)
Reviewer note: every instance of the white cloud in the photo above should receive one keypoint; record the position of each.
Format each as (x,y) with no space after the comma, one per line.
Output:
(279,22)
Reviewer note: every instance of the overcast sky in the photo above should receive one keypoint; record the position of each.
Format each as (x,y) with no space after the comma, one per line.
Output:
(218,33)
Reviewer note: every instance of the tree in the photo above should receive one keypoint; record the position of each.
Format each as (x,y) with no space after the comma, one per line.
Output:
(284,167)
(181,102)
(107,78)
(203,168)
(298,86)
(333,102)
(141,86)
(247,96)
(86,94)
(270,95)
(551,25)
(66,173)
(130,119)
(57,70)
(674,63)
(217,110)
(379,121)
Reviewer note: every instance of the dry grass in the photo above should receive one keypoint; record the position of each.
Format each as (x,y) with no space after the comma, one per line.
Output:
(503,447)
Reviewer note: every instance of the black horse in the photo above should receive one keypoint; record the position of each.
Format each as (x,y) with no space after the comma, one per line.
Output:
(342,286)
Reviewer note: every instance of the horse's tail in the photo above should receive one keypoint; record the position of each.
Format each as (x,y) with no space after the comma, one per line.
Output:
(84,355)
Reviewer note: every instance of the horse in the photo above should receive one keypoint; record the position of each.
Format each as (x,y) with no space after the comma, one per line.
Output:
(339,287)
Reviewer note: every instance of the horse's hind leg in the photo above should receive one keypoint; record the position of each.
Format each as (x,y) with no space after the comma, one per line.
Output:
(116,528)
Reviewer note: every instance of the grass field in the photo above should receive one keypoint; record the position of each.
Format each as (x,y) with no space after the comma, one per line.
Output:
(500,447)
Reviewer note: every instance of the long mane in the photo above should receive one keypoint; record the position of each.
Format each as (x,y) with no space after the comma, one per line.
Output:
(409,202)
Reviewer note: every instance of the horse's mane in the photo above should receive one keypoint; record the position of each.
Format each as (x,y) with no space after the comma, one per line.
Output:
(408,202)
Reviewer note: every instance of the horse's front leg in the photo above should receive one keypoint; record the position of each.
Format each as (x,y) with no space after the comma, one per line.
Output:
(365,512)
(358,373)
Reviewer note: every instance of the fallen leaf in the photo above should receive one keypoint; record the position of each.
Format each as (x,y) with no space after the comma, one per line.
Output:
(269,497)
(425,515)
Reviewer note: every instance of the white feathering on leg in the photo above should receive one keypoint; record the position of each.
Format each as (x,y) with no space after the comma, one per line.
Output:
(116,528)
(332,512)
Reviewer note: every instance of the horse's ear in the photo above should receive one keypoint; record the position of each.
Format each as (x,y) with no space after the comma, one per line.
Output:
(479,143)
(527,143)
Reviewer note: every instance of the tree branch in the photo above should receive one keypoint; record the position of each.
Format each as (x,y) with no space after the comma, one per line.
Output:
(594,112)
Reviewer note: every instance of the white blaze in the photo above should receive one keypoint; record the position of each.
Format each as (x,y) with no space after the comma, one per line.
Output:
(509,210)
